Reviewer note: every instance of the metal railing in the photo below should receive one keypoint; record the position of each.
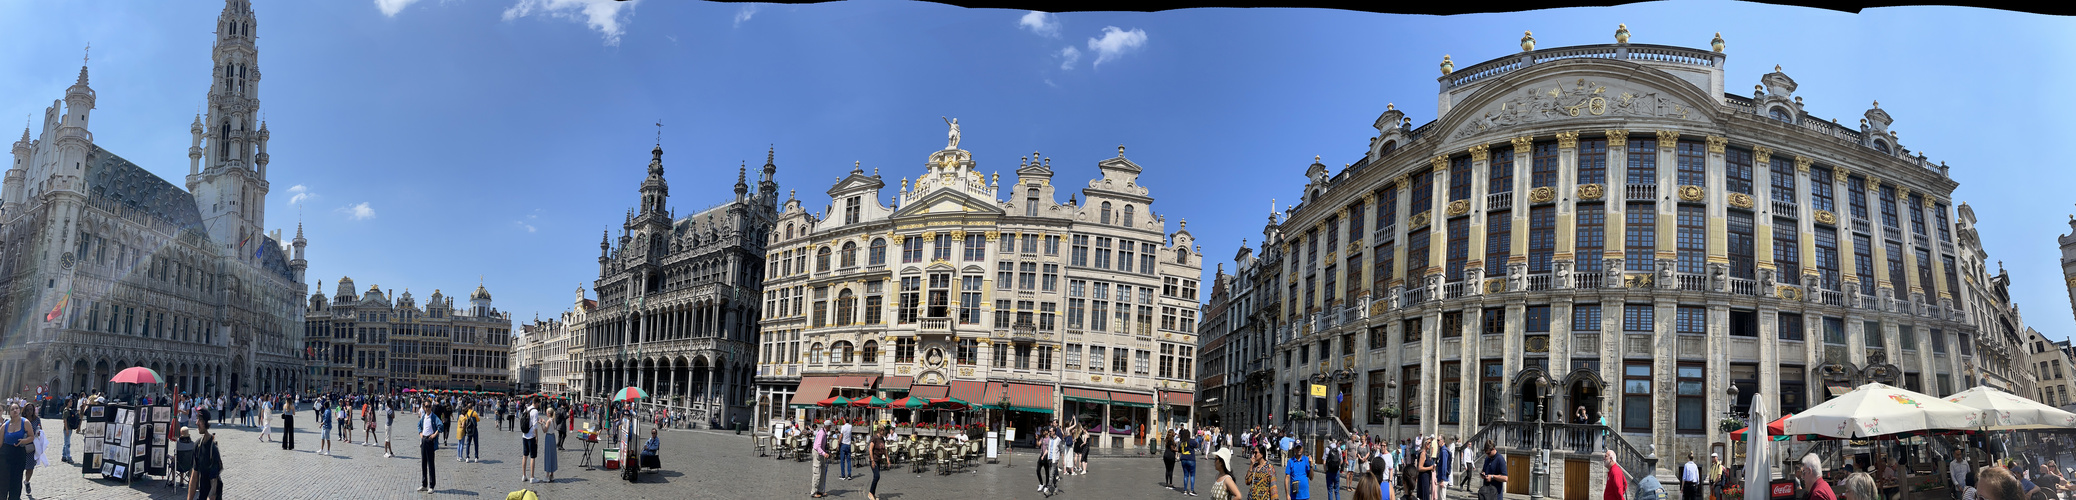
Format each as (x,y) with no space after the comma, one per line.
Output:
(1640,192)
(1579,439)
(1499,201)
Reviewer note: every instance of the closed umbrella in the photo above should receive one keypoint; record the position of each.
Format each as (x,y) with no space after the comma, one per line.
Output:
(1758,475)
(1879,409)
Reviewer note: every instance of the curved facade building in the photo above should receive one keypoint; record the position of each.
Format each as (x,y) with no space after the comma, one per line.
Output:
(1608,220)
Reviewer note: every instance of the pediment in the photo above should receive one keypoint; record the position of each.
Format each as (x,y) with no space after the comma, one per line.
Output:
(948,201)
(857,181)
(1578,90)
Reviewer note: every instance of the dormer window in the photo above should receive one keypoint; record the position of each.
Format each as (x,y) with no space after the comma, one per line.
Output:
(1882,146)
(1128,216)
(1104,217)
(1780,114)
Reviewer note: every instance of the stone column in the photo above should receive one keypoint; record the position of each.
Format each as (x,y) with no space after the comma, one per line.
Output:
(1877,237)
(1524,176)
(1667,202)
(1805,222)
(1567,201)
(1474,258)
(1718,196)
(1938,286)
(1762,220)
(1617,197)
(1910,263)
(1437,234)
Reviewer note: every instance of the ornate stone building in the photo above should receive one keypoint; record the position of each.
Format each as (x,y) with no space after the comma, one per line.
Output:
(1243,310)
(677,300)
(1604,229)
(105,266)
(368,343)
(1081,310)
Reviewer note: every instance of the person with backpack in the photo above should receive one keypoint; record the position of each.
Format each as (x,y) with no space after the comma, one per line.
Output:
(1331,458)
(1186,452)
(528,449)
(71,427)
(428,432)
(207,476)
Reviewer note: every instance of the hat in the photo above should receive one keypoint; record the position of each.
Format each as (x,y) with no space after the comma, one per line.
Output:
(1224,454)
(1712,454)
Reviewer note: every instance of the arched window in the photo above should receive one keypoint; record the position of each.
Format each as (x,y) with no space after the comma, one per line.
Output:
(814,354)
(871,352)
(850,254)
(1882,146)
(1105,217)
(1031,203)
(846,307)
(1128,216)
(822,259)
(789,230)
(223,137)
(844,348)
(1780,114)
(1182,256)
(878,254)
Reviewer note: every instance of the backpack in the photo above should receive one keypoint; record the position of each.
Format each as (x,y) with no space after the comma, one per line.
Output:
(207,457)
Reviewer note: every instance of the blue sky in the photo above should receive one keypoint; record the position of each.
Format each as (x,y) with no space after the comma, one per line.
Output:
(433,141)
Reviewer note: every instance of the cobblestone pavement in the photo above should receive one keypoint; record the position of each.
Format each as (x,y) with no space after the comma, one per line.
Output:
(696,465)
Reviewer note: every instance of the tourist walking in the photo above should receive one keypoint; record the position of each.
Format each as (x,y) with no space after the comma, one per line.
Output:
(473,438)
(15,443)
(821,465)
(461,446)
(528,448)
(1188,455)
(266,427)
(206,476)
(1261,481)
(1297,472)
(875,457)
(428,442)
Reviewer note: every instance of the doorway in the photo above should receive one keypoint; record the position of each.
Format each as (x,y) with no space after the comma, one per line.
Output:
(1345,406)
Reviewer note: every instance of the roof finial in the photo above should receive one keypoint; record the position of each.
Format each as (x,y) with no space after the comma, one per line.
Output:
(89,54)
(768,152)
(659,132)
(1776,68)
(1120,151)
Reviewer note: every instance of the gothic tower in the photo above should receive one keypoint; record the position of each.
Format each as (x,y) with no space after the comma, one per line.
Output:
(230,183)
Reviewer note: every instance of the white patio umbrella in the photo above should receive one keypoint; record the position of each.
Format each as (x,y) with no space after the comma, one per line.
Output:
(1758,473)
(1880,409)
(2006,411)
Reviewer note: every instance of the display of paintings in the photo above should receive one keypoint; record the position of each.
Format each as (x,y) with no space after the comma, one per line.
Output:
(92,432)
(121,470)
(107,468)
(158,461)
(125,416)
(158,434)
(162,414)
(98,413)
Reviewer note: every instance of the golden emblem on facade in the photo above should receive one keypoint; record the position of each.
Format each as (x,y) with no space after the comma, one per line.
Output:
(1692,193)
(1541,195)
(1590,191)
(1637,281)
(1459,207)
(1419,220)
(1741,200)
(1495,285)
(1826,217)
(1790,293)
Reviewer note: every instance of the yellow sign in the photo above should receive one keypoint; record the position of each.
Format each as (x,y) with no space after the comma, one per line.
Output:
(1318,390)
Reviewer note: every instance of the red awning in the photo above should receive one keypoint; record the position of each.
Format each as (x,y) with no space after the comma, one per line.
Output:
(896,383)
(1085,395)
(969,391)
(1179,398)
(1031,397)
(812,390)
(1131,399)
(927,391)
(860,382)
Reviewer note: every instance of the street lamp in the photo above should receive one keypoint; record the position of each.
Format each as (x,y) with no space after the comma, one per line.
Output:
(1539,472)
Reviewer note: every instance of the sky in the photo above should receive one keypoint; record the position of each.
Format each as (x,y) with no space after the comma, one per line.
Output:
(426,143)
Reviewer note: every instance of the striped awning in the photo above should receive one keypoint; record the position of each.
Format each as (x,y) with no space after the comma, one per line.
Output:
(927,391)
(896,383)
(1085,395)
(1131,399)
(1022,397)
(811,390)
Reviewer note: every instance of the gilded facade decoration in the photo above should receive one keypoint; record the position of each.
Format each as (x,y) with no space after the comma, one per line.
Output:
(1591,191)
(1543,194)
(1692,193)
(1761,155)
(1741,200)
(1459,207)
(1581,98)
(1826,217)
(1716,143)
(1568,140)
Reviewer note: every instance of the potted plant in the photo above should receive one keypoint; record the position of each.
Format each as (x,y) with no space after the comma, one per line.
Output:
(1388,412)
(1730,424)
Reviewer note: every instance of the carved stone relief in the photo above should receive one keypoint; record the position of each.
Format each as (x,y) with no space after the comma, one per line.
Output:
(1582,98)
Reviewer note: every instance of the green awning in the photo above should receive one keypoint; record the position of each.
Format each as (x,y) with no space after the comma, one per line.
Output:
(1085,395)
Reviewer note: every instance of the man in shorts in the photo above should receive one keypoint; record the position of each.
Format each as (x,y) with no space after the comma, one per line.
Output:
(528,449)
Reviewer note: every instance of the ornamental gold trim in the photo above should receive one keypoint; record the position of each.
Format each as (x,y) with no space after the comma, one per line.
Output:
(897,238)
(1786,292)
(1802,163)
(1717,143)
(1523,144)
(1591,191)
(958,235)
(1332,255)
(1741,200)
(1637,280)
(1692,193)
(1355,245)
(1761,155)
(1902,192)
(1617,137)
(1480,152)
(1826,217)
(1874,184)
(1458,207)
(1439,162)
(1495,285)
(1669,135)
(1924,202)
(1542,195)
(1420,220)
(1568,140)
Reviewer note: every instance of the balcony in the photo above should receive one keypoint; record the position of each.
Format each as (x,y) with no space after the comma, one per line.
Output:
(1023,332)
(1743,286)
(1454,290)
(1786,209)
(1692,282)
(1539,282)
(1499,201)
(1640,192)
(1586,280)
(1829,297)
(1414,296)
(936,326)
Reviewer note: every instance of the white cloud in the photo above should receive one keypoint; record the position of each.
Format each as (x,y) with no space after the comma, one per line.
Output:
(744,13)
(522,225)
(391,7)
(299,194)
(1115,43)
(1046,25)
(358,212)
(602,15)
(1068,56)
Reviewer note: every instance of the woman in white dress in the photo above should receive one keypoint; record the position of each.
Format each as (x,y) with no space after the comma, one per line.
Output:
(266,426)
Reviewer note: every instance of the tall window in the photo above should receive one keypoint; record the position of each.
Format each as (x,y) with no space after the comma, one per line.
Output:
(1592,161)
(1542,238)
(850,254)
(1500,171)
(872,314)
(1636,397)
(1128,216)
(1027,276)
(1585,318)
(1856,195)
(1897,279)
(1939,219)
(822,259)
(1690,320)
(912,250)
(904,350)
(1953,282)
(976,247)
(1356,215)
(1638,318)
(1787,252)
(1783,172)
(1691,170)
(1452,324)
(1924,273)
(1104,218)
(1917,213)
(1821,190)
(1542,170)
(878,254)
(1458,249)
(1737,174)
(911,299)
(1874,335)
(1693,233)
(969,299)
(1416,255)
(941,247)
(1692,399)
(1827,258)
(1080,257)
(1499,242)
(1385,260)
(1591,237)
(1102,252)
(1421,197)
(1789,326)
(1005,275)
(1640,245)
(1051,281)
(1460,178)
(1452,392)
(1489,380)
(1495,321)
(1888,207)
(1537,319)
(850,210)
(1834,331)
(1387,206)
(1643,161)
(1863,262)
(846,308)
(1124,254)
(1409,392)
(1741,245)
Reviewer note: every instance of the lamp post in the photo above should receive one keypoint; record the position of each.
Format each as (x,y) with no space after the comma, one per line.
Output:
(1539,470)
(1003,430)
(1391,397)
